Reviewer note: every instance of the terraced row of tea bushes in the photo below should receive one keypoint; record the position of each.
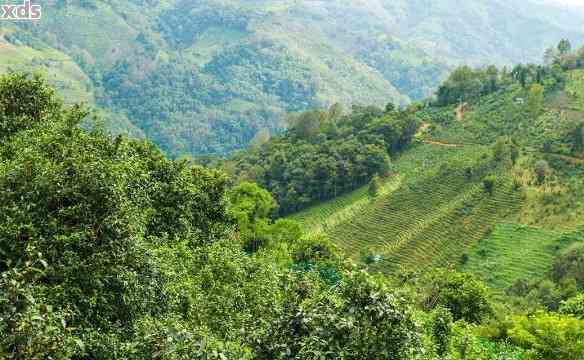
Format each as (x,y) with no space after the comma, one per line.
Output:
(458,225)
(513,252)
(418,161)
(430,190)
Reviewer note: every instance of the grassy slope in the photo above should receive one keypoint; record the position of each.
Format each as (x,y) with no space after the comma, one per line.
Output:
(331,213)
(435,217)
(407,167)
(408,218)
(60,69)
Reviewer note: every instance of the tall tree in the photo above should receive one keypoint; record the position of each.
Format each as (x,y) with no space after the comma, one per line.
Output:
(564,47)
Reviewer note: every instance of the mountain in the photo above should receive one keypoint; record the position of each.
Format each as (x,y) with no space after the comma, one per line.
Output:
(206,76)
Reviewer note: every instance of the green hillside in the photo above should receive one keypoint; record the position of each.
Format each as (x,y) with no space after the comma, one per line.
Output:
(491,189)
(205,77)
(62,72)
(109,250)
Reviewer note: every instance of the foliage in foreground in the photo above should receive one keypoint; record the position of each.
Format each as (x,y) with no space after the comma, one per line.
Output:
(109,249)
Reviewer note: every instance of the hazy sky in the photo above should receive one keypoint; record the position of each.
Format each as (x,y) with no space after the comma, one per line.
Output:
(568,2)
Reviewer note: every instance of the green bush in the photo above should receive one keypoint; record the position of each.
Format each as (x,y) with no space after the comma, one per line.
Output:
(361,318)
(489,183)
(574,306)
(25,102)
(374,186)
(570,265)
(549,336)
(463,295)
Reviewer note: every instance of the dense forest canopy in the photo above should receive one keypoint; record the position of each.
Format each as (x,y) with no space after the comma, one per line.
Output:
(206,77)
(326,153)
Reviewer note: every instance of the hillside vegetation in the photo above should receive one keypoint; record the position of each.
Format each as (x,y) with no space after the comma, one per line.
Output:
(205,77)
(492,183)
(448,227)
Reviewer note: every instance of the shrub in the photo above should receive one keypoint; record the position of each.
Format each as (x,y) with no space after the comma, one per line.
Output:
(374,186)
(541,171)
(463,295)
(570,265)
(574,306)
(464,259)
(441,329)
(361,319)
(25,102)
(549,336)
(489,183)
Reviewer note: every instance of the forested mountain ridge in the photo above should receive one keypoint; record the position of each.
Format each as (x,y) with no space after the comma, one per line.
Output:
(207,76)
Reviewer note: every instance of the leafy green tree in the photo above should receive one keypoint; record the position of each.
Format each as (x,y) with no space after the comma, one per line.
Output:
(307,124)
(25,102)
(575,134)
(88,209)
(441,329)
(489,183)
(542,170)
(521,74)
(500,150)
(30,328)
(570,265)
(535,100)
(251,206)
(462,294)
(250,202)
(564,47)
(462,85)
(360,318)
(515,153)
(549,336)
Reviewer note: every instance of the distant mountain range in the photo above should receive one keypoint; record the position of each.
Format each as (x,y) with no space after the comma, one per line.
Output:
(206,76)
